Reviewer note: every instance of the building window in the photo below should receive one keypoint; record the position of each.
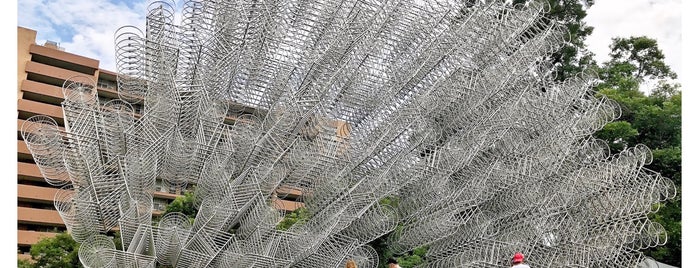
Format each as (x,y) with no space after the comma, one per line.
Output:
(106,84)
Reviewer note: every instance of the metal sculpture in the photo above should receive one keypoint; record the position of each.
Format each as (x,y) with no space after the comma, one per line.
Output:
(438,122)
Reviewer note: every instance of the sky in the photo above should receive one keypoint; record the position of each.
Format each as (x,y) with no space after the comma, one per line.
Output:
(86,27)
(658,19)
(83,27)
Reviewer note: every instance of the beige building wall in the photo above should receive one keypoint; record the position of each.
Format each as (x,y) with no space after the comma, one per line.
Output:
(25,38)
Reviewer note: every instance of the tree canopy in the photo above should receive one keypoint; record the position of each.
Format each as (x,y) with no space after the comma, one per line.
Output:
(643,54)
(60,251)
(183,204)
(654,120)
(573,57)
(300,215)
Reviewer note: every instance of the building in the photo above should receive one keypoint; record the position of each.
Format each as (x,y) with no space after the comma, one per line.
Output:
(41,72)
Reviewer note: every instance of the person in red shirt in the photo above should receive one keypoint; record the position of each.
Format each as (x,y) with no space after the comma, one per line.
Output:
(518,261)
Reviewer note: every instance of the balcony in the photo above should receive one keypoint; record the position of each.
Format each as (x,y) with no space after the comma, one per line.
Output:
(29,172)
(31,193)
(23,153)
(63,59)
(39,216)
(28,238)
(28,108)
(48,74)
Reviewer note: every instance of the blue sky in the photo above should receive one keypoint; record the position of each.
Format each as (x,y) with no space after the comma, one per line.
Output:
(86,27)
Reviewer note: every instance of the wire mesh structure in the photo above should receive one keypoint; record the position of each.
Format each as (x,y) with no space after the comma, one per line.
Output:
(438,122)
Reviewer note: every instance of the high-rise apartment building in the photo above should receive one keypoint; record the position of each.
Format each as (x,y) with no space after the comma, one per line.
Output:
(41,72)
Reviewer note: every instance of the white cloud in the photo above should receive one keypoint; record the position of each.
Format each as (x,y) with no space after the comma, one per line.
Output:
(84,27)
(656,19)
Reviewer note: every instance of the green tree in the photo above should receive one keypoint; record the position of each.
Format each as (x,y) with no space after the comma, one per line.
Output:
(183,204)
(24,264)
(56,252)
(573,57)
(300,215)
(117,241)
(635,60)
(412,258)
(409,259)
(659,122)
(619,135)
(381,245)
(644,55)
(654,120)
(668,162)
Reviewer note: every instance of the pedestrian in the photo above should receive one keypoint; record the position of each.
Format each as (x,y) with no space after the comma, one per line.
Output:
(518,261)
(350,264)
(392,263)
